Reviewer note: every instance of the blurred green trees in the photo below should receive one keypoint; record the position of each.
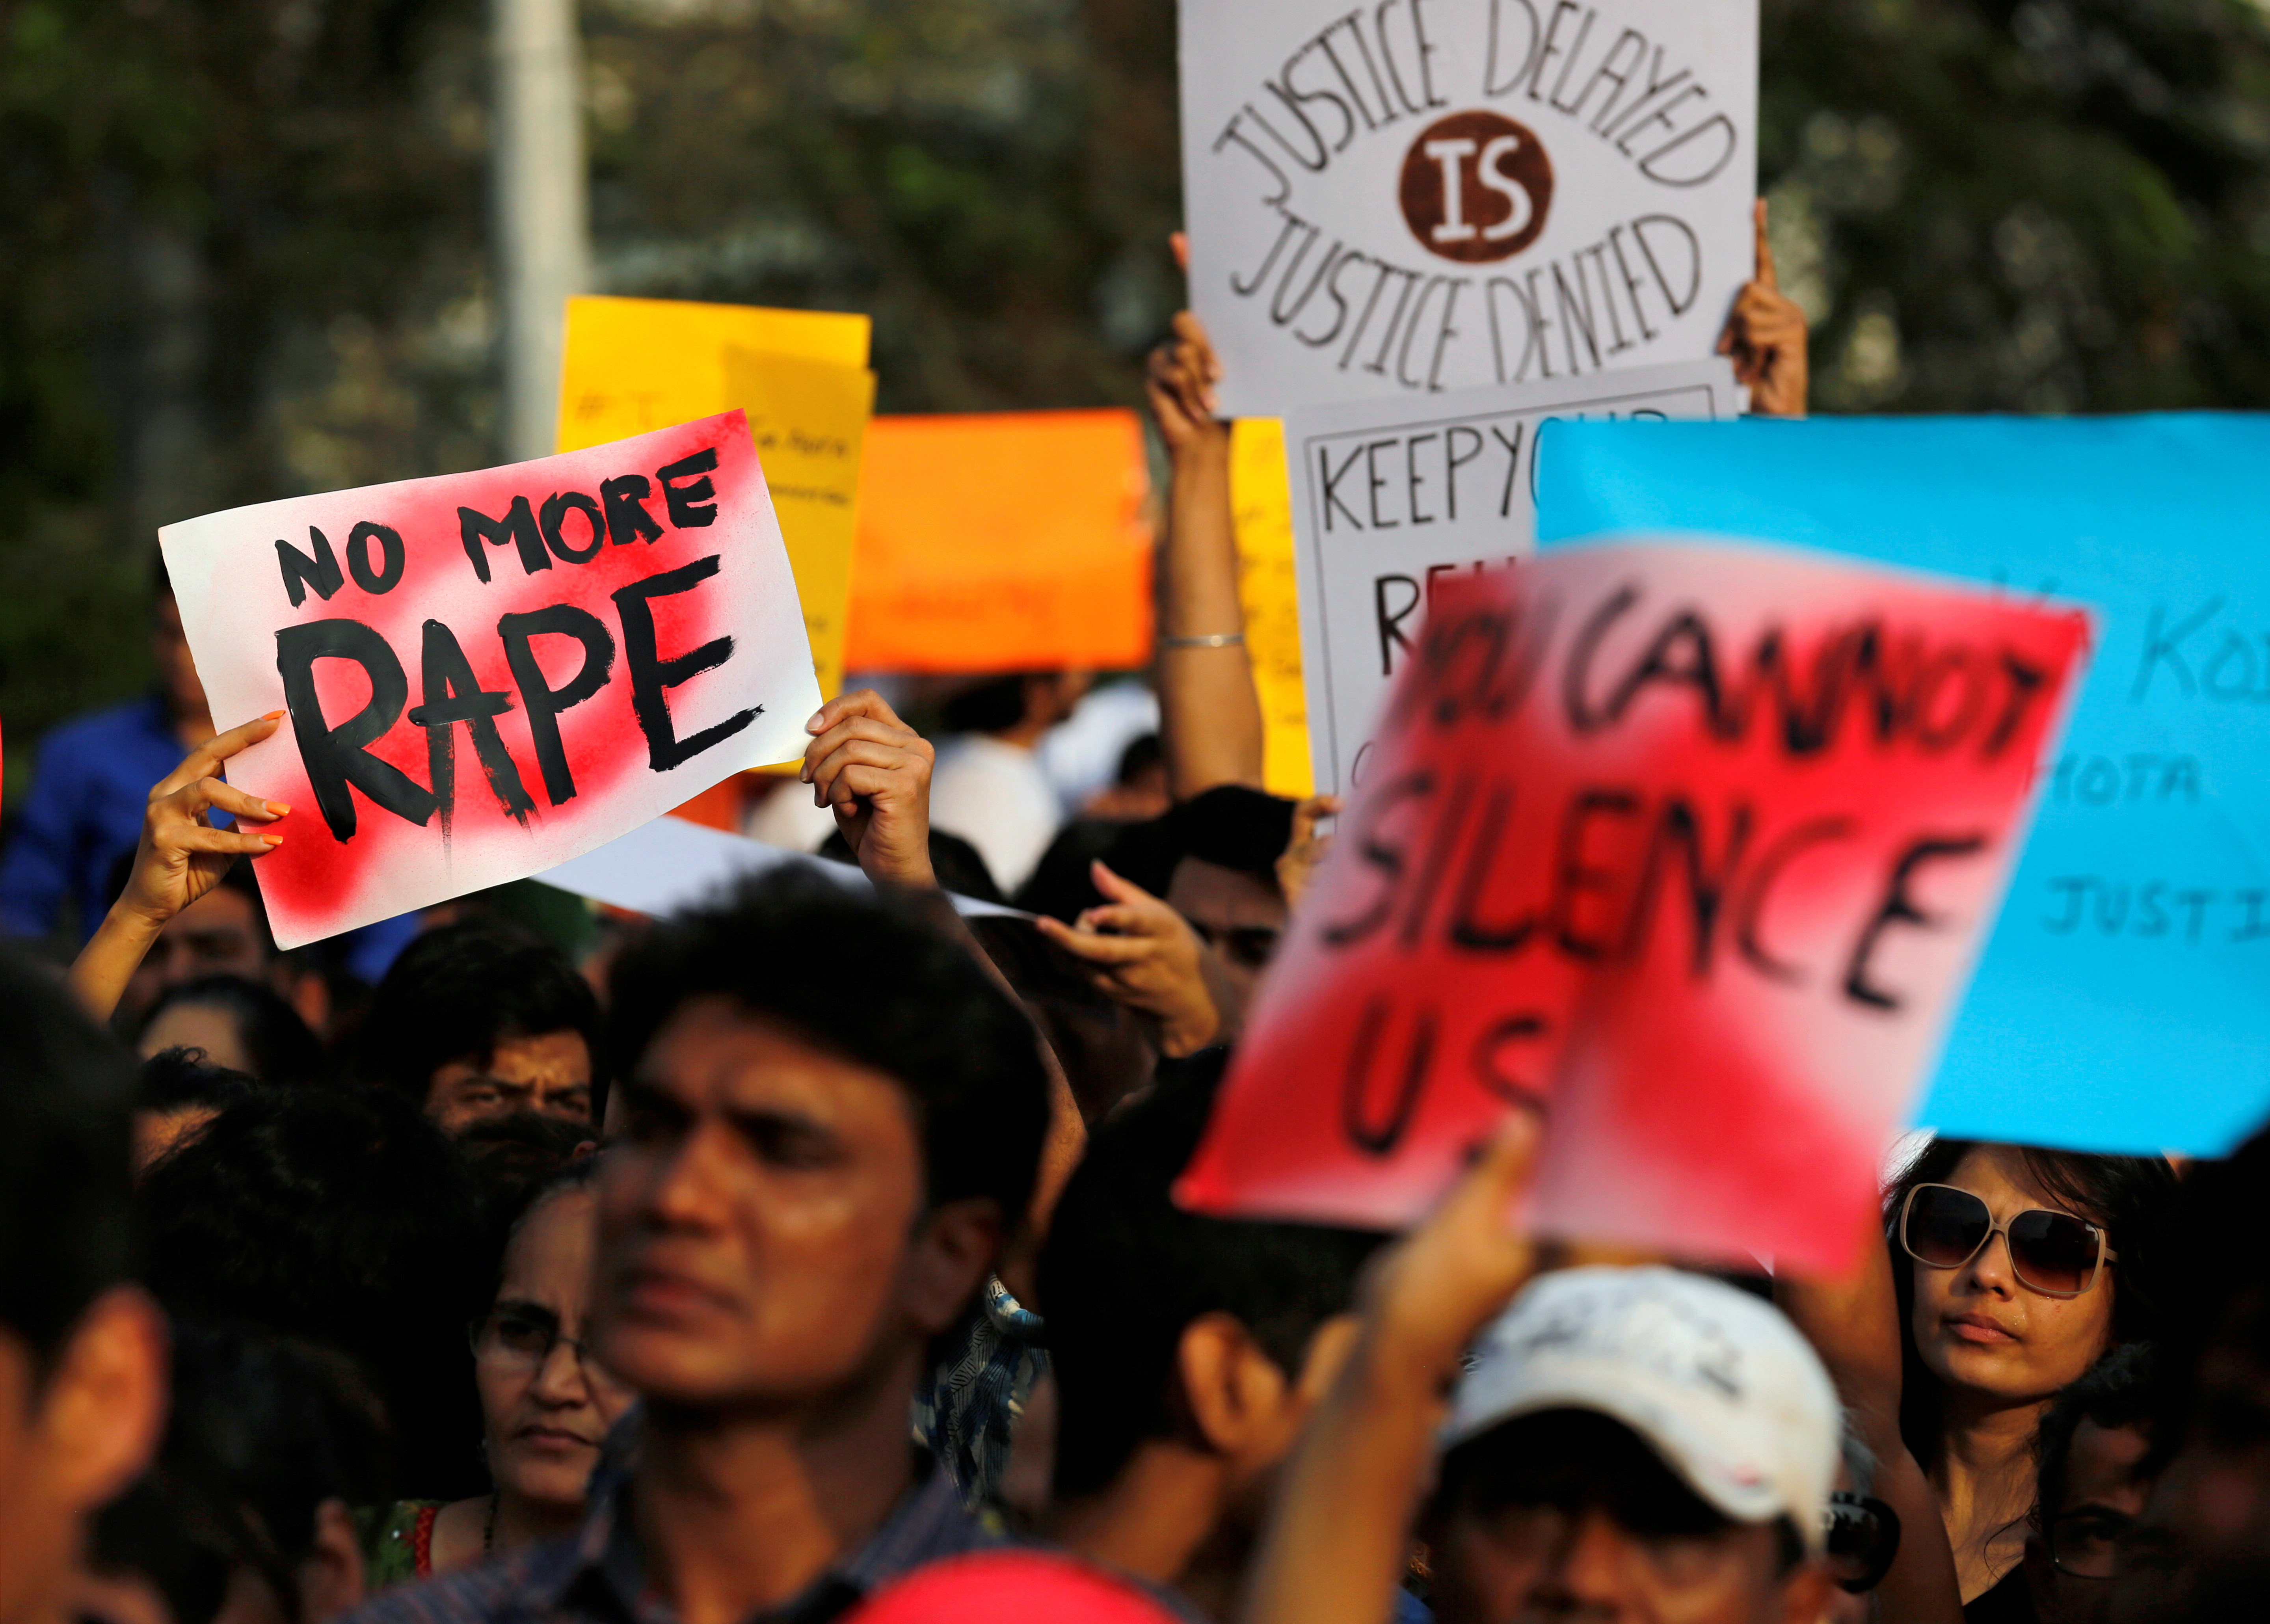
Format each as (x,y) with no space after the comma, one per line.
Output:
(243,245)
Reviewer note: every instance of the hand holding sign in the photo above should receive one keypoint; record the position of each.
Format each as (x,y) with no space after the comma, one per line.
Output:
(873,771)
(1690,846)
(1766,336)
(488,673)
(180,858)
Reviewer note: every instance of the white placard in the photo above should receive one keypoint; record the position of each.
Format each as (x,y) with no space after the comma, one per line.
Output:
(1431,196)
(1389,496)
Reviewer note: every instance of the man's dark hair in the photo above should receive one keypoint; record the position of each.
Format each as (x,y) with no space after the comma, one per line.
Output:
(262,1430)
(178,1077)
(66,1102)
(1233,827)
(457,992)
(1125,1271)
(284,1052)
(2223,1284)
(864,980)
(958,865)
(515,1157)
(2128,1197)
(345,1218)
(2120,1390)
(993,705)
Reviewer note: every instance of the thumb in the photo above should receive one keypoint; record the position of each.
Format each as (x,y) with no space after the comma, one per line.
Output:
(1503,1170)
(1180,241)
(1765,247)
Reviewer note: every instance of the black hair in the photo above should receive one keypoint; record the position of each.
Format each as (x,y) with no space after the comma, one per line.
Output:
(262,1430)
(66,1104)
(457,992)
(863,980)
(346,1218)
(1571,1458)
(2222,1283)
(180,1075)
(282,1048)
(1101,1044)
(1144,754)
(1235,828)
(992,706)
(2127,1197)
(1230,825)
(515,1159)
(958,865)
(2120,1390)
(1125,1271)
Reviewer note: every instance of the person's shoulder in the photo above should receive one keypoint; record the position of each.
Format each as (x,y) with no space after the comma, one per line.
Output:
(492,1591)
(94,728)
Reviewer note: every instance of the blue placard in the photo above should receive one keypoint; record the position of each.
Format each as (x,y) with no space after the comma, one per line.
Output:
(2123,1003)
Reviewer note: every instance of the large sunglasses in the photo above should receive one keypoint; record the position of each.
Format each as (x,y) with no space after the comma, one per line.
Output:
(2053,1253)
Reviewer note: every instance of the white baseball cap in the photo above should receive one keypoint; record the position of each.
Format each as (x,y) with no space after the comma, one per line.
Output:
(1719,1383)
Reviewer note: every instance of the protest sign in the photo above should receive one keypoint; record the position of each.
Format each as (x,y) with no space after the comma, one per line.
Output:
(1002,541)
(488,674)
(633,365)
(1394,497)
(2123,1003)
(1435,195)
(1261,509)
(801,376)
(1689,846)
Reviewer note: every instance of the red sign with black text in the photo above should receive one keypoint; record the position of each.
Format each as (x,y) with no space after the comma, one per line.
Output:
(1691,847)
(488,674)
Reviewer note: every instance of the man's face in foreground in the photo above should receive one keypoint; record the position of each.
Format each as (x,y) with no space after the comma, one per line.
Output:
(1574,1517)
(756,1218)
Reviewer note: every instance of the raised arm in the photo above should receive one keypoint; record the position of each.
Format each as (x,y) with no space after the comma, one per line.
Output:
(1854,1325)
(180,858)
(1340,1529)
(1766,336)
(1209,712)
(873,771)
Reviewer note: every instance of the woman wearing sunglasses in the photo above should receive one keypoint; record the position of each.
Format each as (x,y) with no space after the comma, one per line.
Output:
(546,1404)
(2014,1271)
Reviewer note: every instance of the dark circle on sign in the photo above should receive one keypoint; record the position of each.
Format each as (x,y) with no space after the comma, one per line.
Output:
(1503,187)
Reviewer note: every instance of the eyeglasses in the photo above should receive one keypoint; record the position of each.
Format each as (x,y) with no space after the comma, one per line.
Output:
(522,1335)
(2087,1543)
(1864,1537)
(2053,1253)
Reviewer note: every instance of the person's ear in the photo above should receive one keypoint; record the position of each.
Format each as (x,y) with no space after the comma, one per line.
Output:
(332,1580)
(103,1406)
(1805,1594)
(951,1254)
(1237,1398)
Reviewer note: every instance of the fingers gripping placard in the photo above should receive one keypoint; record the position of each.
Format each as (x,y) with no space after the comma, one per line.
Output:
(489,673)
(1692,848)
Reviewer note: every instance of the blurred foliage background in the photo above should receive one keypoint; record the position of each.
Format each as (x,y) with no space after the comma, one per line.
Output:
(242,242)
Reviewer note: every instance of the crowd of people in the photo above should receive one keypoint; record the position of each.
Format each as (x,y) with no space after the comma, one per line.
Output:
(812,1254)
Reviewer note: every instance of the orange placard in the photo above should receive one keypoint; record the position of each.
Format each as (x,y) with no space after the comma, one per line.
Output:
(1002,541)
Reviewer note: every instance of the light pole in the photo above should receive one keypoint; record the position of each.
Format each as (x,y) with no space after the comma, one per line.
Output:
(542,231)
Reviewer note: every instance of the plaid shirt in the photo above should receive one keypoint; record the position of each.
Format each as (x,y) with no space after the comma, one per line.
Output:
(598,1575)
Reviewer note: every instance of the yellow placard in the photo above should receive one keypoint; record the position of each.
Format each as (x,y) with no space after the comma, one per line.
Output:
(637,364)
(809,419)
(1261,501)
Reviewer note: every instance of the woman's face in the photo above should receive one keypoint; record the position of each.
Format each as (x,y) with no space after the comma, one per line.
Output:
(545,1409)
(1977,1327)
